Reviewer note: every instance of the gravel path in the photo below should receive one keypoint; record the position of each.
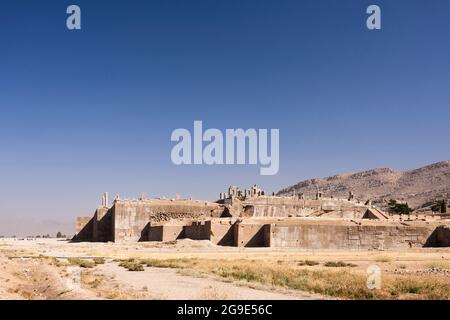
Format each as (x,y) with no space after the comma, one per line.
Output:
(164,283)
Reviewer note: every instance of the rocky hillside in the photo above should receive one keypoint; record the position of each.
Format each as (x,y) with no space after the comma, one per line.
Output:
(418,187)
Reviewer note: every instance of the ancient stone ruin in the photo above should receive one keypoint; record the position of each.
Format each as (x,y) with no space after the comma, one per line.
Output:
(250,218)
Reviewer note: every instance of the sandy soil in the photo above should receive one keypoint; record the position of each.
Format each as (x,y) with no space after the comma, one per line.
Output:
(38,269)
(163,283)
(33,279)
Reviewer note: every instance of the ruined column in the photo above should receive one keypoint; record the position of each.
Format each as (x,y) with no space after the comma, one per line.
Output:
(106,199)
(142,196)
(318,195)
(350,195)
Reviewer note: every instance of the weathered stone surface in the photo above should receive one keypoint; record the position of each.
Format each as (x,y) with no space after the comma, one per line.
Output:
(131,217)
(259,221)
(84,229)
(251,235)
(347,235)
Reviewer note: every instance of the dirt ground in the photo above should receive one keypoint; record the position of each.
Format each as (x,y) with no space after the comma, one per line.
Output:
(43,269)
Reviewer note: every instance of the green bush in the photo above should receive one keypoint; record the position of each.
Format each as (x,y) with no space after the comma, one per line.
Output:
(399,208)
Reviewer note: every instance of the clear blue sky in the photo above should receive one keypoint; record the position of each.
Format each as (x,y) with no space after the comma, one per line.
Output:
(91,111)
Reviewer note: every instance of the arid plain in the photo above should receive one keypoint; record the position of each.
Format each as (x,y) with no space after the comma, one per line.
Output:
(186,269)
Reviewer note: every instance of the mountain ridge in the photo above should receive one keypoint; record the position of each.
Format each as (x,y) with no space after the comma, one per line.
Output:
(418,187)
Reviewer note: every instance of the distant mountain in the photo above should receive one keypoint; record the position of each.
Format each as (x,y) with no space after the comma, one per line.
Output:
(418,187)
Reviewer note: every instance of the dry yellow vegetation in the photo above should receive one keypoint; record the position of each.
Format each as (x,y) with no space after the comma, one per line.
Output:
(341,282)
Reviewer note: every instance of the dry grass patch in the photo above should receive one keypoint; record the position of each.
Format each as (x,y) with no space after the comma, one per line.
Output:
(338,264)
(81,263)
(383,259)
(170,263)
(132,265)
(99,260)
(344,282)
(439,265)
(91,280)
(213,293)
(308,263)
(418,287)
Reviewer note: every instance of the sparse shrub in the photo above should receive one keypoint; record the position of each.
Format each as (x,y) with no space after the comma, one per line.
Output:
(57,262)
(439,265)
(132,265)
(342,283)
(308,263)
(81,263)
(399,208)
(169,263)
(95,283)
(213,293)
(338,264)
(99,260)
(404,285)
(414,290)
(383,259)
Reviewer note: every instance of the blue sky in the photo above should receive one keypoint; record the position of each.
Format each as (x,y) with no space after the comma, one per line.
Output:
(83,112)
